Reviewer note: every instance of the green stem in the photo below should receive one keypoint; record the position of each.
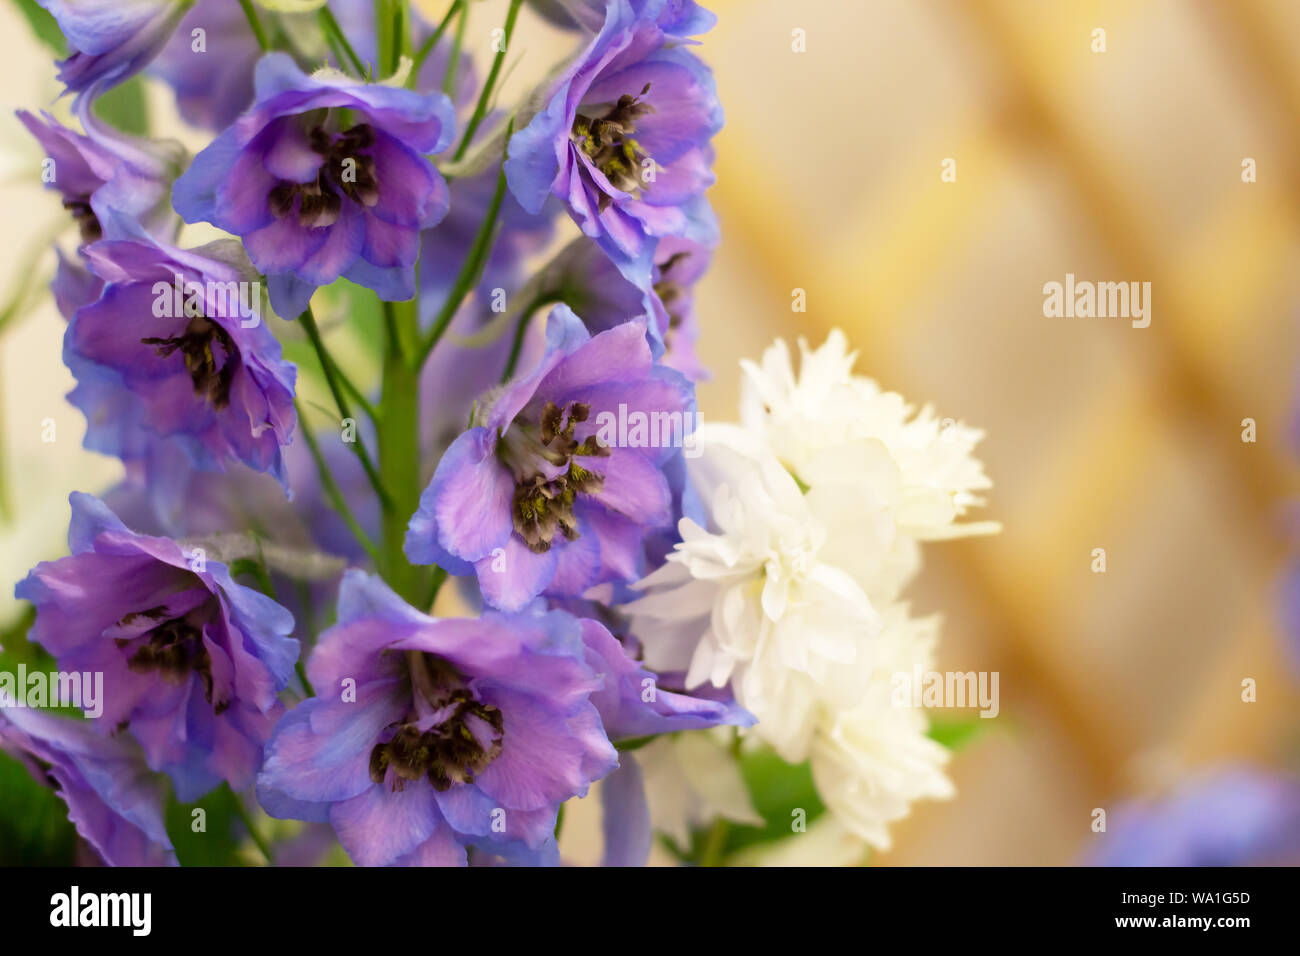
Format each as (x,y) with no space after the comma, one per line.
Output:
(401,35)
(332,379)
(453,61)
(301,670)
(715,843)
(357,396)
(256,24)
(429,44)
(247,818)
(260,571)
(521,329)
(399,449)
(332,28)
(331,488)
(470,270)
(485,96)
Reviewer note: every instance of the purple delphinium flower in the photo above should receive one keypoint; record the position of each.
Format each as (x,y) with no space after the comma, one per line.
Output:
(192,661)
(113,800)
(550,492)
(635,702)
(677,18)
(1290,610)
(312,200)
(1235,816)
(214,83)
(111,40)
(430,735)
(584,278)
(213,74)
(181,332)
(104,171)
(457,374)
(623,140)
(74,285)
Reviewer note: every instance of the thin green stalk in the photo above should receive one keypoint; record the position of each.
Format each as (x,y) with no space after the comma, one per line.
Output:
(256,24)
(247,819)
(715,843)
(470,270)
(453,61)
(332,28)
(423,53)
(332,378)
(399,449)
(366,405)
(485,96)
(260,571)
(401,42)
(335,50)
(331,488)
(301,670)
(521,328)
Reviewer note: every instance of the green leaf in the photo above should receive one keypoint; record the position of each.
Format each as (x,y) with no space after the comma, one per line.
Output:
(777,790)
(218,844)
(957,733)
(125,107)
(34,825)
(44,26)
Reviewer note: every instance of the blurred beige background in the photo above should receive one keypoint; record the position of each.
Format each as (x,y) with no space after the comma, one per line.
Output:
(1117,166)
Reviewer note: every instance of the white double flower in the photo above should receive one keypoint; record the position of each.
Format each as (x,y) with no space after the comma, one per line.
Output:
(815,507)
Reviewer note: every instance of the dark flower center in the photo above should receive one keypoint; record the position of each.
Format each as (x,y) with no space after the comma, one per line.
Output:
(84,216)
(211,380)
(345,168)
(607,141)
(173,648)
(671,293)
(544,505)
(449,737)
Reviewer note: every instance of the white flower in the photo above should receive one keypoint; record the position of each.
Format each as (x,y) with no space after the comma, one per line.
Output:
(815,508)
(691,779)
(871,762)
(750,599)
(827,425)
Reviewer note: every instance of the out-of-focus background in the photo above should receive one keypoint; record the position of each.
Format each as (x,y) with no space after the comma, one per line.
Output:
(1122,165)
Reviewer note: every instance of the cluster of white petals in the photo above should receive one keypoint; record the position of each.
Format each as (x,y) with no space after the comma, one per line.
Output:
(816,504)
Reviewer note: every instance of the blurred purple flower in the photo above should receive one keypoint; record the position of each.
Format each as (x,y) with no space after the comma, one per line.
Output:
(74,286)
(1235,816)
(430,735)
(112,798)
(111,40)
(213,74)
(677,18)
(584,278)
(192,661)
(535,498)
(214,84)
(313,201)
(104,171)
